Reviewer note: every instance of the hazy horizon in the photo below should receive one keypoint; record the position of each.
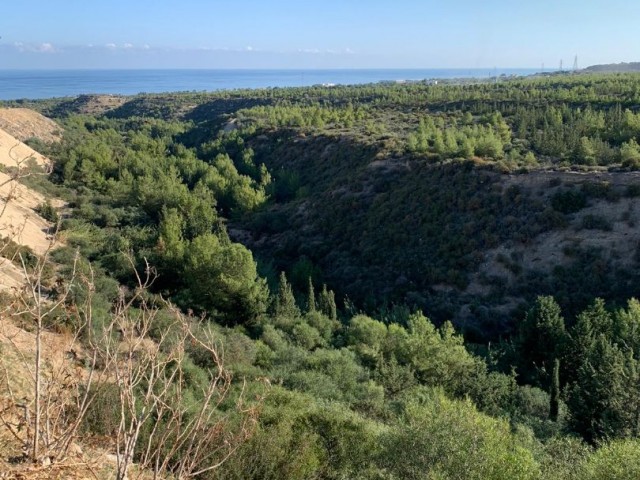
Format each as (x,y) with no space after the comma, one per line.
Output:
(488,69)
(202,34)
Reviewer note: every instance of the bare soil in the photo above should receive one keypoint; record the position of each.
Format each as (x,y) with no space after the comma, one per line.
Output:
(23,124)
(18,218)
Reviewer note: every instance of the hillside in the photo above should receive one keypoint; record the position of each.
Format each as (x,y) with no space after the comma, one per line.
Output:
(25,124)
(19,220)
(463,243)
(614,68)
(318,282)
(422,194)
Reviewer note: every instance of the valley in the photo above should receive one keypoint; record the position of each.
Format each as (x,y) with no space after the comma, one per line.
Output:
(330,277)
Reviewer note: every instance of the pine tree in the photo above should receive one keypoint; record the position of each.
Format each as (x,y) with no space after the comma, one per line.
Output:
(597,400)
(542,339)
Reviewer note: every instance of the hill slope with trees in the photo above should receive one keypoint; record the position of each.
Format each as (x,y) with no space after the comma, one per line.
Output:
(324,239)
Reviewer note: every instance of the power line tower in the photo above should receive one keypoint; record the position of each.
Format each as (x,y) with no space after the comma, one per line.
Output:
(575,64)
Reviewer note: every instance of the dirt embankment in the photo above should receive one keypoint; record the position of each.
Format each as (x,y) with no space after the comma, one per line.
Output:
(24,124)
(19,220)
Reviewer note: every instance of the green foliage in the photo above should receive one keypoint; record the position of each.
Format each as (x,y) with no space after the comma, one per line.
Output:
(48,212)
(441,439)
(554,401)
(221,278)
(394,205)
(630,154)
(542,340)
(615,461)
(103,414)
(285,303)
(568,201)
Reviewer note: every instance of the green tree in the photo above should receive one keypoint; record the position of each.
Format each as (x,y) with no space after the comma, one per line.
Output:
(618,460)
(554,396)
(285,302)
(630,154)
(311,298)
(442,439)
(596,400)
(222,279)
(541,340)
(327,303)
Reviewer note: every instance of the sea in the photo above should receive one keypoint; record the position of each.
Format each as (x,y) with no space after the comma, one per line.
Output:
(39,84)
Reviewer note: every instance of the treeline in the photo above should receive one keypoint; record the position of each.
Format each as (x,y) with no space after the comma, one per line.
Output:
(461,139)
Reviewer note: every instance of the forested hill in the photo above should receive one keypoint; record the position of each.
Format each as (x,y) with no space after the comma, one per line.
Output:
(614,68)
(438,197)
(320,239)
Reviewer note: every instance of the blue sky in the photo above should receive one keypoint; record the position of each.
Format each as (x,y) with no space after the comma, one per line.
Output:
(318,34)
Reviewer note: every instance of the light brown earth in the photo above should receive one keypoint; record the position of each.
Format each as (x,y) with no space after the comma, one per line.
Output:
(23,124)
(18,219)
(17,356)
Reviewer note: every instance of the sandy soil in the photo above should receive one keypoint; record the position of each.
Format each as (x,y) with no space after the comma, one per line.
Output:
(23,123)
(11,276)
(18,219)
(14,153)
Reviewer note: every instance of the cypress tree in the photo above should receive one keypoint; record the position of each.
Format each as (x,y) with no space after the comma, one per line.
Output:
(554,400)
(285,301)
(327,302)
(311,300)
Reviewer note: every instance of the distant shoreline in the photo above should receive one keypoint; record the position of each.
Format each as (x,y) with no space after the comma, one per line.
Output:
(43,84)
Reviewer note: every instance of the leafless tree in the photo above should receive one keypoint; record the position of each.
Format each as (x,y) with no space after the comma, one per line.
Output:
(151,386)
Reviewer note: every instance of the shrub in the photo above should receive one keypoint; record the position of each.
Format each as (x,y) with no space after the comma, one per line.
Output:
(569,201)
(596,222)
(48,212)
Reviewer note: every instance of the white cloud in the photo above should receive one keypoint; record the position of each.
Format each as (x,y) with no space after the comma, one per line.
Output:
(127,45)
(34,47)
(111,45)
(46,48)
